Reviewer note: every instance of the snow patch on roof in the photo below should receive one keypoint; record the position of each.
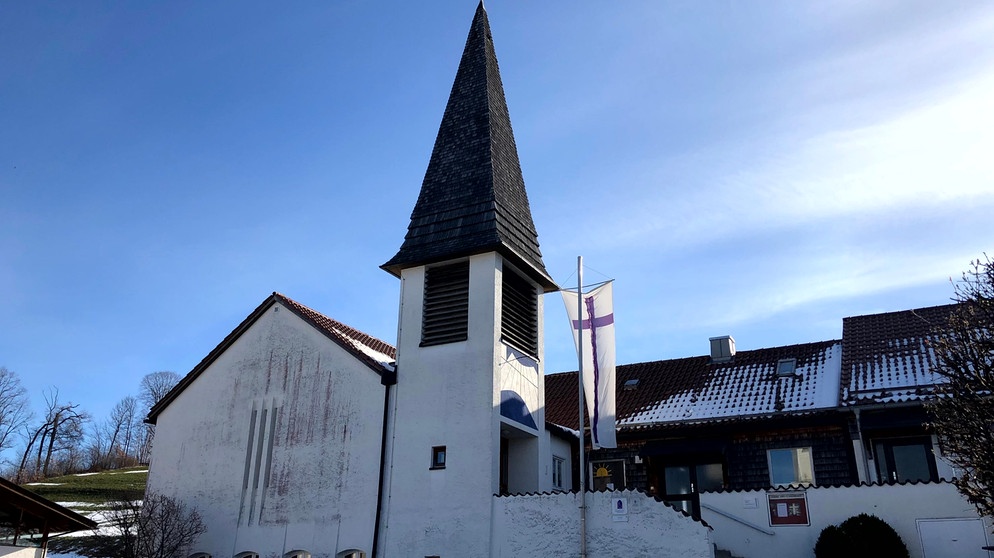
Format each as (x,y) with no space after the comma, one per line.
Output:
(752,389)
(384,359)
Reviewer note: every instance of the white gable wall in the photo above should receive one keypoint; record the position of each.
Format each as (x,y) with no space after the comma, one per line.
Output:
(304,473)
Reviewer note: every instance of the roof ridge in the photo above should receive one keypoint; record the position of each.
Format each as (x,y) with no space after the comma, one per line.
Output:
(907,310)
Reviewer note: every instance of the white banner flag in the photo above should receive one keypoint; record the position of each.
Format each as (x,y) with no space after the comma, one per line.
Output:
(597,325)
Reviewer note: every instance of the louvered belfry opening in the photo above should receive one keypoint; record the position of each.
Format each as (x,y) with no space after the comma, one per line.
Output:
(519,314)
(446,304)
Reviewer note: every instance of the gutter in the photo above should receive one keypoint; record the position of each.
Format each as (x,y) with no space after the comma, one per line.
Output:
(387,380)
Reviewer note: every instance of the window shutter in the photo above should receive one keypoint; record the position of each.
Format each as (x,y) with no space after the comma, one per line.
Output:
(446,304)
(519,312)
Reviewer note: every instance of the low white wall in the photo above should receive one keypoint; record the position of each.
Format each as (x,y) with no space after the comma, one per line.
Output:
(21,552)
(899,505)
(543,525)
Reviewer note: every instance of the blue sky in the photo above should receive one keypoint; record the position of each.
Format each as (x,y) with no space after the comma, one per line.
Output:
(759,169)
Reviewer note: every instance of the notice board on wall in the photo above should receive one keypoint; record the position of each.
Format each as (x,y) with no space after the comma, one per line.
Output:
(788,508)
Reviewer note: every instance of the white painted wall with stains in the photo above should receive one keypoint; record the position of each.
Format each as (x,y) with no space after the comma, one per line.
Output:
(449,395)
(542,525)
(277,443)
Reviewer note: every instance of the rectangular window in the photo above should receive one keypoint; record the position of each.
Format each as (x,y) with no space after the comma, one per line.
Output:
(445,317)
(786,366)
(438,457)
(905,459)
(791,466)
(558,466)
(519,312)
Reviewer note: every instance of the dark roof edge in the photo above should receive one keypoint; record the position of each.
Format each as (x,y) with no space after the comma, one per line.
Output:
(539,275)
(905,311)
(230,339)
(23,494)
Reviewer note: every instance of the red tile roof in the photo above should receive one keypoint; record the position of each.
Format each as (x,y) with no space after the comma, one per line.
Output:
(374,353)
(887,357)
(693,389)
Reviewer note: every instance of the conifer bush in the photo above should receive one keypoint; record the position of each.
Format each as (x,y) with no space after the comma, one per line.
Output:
(860,536)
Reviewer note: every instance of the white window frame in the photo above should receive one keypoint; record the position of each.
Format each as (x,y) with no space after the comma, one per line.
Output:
(558,470)
(802,457)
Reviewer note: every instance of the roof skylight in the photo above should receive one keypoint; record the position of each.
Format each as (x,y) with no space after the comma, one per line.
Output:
(786,367)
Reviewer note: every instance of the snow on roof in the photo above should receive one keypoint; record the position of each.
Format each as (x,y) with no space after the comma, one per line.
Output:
(696,389)
(888,357)
(364,346)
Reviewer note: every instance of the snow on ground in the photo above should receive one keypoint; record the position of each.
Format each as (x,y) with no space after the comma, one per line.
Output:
(43,484)
(85,474)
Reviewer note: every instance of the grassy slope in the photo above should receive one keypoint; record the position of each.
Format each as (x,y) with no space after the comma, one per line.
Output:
(95,488)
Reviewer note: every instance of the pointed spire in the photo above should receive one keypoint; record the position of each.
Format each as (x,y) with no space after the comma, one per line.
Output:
(473,196)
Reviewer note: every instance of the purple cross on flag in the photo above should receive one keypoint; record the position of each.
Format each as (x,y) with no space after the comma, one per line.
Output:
(597,327)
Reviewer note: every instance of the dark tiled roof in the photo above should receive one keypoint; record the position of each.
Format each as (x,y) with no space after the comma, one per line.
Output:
(473,196)
(377,355)
(695,390)
(887,357)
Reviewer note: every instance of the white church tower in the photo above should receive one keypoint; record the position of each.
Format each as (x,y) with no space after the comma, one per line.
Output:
(466,417)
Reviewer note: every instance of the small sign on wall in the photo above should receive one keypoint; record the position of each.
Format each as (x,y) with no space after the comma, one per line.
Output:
(788,508)
(619,509)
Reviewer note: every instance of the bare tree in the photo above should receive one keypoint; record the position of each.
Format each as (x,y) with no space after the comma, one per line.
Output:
(963,412)
(116,442)
(61,432)
(154,387)
(121,426)
(14,410)
(158,527)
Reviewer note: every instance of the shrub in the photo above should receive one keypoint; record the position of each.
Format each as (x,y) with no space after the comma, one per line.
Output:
(860,536)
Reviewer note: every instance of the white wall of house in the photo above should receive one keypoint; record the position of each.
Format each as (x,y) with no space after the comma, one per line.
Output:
(541,525)
(301,474)
(901,506)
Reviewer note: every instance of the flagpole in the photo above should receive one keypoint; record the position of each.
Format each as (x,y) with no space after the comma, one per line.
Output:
(579,354)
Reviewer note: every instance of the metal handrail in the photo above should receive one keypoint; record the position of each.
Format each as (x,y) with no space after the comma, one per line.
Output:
(745,522)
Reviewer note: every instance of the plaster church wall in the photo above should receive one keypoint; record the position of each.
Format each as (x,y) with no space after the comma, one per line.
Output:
(276,443)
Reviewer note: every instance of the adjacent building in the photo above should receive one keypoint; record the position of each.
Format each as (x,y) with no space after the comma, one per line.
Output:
(829,413)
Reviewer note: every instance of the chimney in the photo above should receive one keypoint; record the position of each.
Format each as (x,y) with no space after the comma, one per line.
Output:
(722,348)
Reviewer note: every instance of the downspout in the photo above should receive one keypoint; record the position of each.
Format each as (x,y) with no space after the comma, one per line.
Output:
(862,450)
(387,380)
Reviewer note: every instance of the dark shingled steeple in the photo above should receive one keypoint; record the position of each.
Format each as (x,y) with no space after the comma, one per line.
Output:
(473,196)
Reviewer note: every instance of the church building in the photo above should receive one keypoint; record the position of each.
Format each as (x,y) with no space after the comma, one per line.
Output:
(300,436)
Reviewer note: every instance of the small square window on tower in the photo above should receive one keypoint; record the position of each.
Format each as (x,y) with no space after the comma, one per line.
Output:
(438,457)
